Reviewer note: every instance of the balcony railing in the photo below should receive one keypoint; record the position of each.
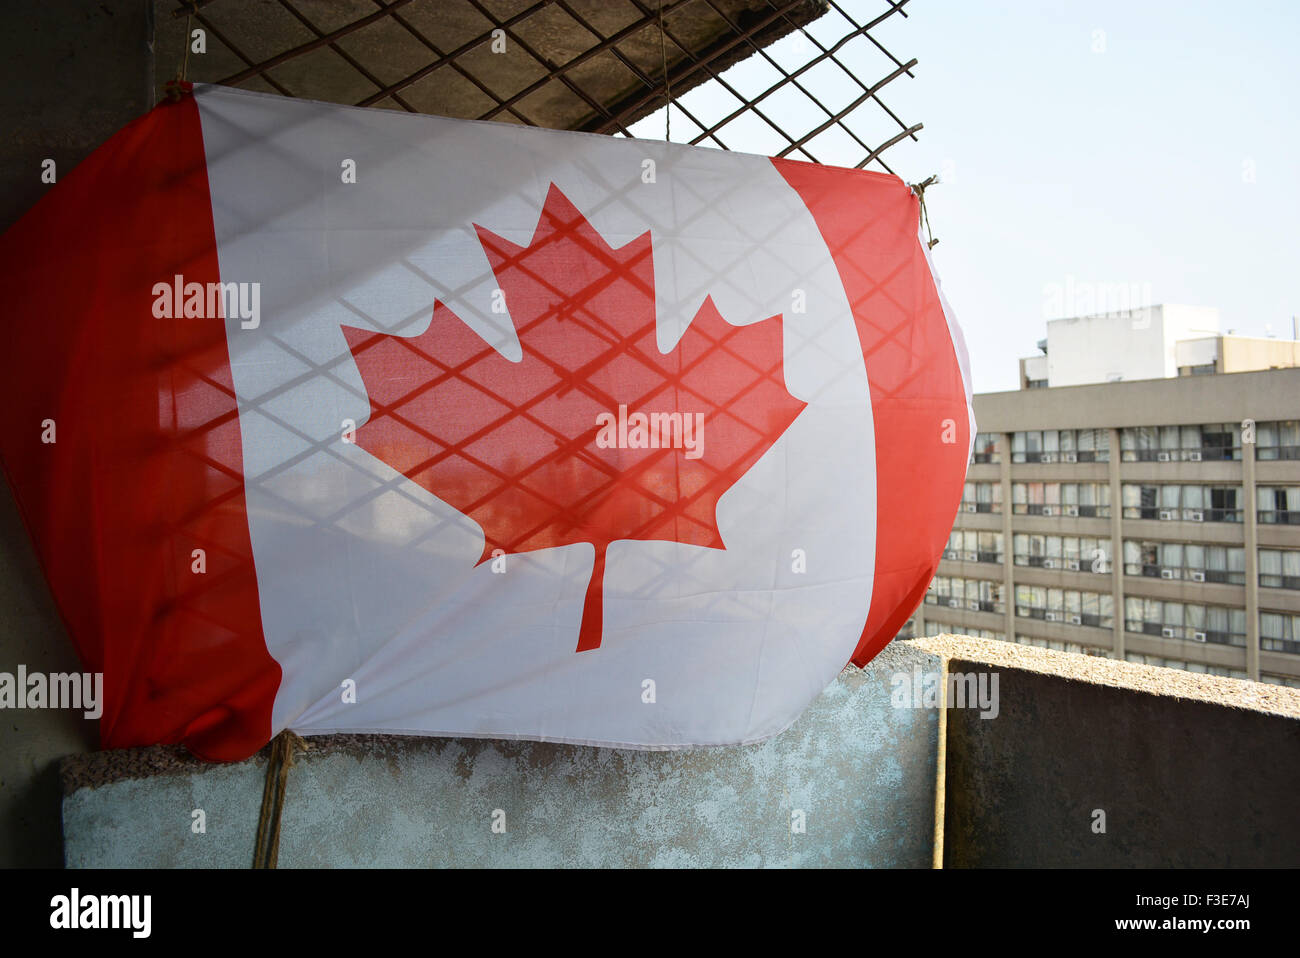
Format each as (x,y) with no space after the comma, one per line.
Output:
(1290,646)
(1279,581)
(1082,455)
(1154,571)
(1201,454)
(1271,453)
(1176,514)
(1161,630)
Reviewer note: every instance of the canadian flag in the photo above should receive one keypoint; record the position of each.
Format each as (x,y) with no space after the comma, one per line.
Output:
(336,419)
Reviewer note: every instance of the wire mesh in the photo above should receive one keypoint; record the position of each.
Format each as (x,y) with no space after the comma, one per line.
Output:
(801,78)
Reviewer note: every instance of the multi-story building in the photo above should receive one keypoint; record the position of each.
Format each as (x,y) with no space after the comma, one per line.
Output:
(1154,520)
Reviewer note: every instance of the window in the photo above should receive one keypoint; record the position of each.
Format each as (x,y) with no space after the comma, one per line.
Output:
(1191,561)
(987,447)
(981,497)
(1194,443)
(1066,606)
(1061,445)
(989,547)
(1029,549)
(978,595)
(969,545)
(1189,503)
(1279,505)
(1279,568)
(1139,443)
(1036,498)
(1220,441)
(1176,620)
(1224,504)
(988,497)
(1278,440)
(1093,499)
(1139,502)
(1093,445)
(1094,555)
(1279,632)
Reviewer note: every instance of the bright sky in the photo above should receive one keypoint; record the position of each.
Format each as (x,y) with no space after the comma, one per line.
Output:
(1143,145)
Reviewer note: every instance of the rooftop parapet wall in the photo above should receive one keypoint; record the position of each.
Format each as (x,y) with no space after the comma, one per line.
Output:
(850,784)
(1180,769)
(1185,769)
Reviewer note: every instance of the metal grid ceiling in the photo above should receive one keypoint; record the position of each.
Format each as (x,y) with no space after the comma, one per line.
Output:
(799,78)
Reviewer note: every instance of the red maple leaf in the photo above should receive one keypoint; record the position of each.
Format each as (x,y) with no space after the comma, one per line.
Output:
(524,447)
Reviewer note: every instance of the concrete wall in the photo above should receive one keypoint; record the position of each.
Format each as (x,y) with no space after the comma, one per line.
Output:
(1180,783)
(1185,769)
(1242,353)
(1262,396)
(78,72)
(1134,344)
(862,773)
(1098,349)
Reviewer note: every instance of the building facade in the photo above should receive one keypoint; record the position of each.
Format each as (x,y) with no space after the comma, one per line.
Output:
(1156,521)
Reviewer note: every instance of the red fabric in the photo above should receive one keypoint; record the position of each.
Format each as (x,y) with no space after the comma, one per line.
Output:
(869,223)
(147,465)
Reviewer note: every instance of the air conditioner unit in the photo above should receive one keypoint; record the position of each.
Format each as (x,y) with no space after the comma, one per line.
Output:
(1069,457)
(1168,633)
(1166,513)
(1193,457)
(1074,619)
(973,604)
(1047,457)
(1166,573)
(1198,576)
(1162,457)
(951,554)
(954,603)
(1196,515)
(1047,510)
(968,507)
(1072,565)
(1053,617)
(1071,510)
(1049,563)
(971,556)
(1198,636)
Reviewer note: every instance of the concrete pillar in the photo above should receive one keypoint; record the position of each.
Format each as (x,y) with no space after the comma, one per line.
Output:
(1116,544)
(1250,520)
(1008,551)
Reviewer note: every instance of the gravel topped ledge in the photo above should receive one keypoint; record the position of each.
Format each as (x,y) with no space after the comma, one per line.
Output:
(1151,679)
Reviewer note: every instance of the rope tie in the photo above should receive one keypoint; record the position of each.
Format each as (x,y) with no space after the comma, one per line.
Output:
(175,87)
(919,190)
(668,90)
(266,851)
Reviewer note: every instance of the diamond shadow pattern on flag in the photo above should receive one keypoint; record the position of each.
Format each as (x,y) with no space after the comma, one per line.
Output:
(530,468)
(730,269)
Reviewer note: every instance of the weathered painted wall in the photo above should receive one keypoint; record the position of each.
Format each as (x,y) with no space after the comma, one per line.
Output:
(862,772)
(1188,769)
